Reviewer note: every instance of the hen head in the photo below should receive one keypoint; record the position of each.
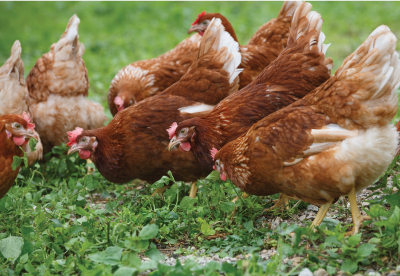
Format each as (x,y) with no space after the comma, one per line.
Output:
(201,23)
(218,164)
(79,142)
(19,128)
(181,135)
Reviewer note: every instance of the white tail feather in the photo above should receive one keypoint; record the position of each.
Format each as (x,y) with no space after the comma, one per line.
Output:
(225,40)
(72,29)
(288,8)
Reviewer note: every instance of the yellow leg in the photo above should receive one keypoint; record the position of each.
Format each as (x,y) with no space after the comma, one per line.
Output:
(283,200)
(89,170)
(245,195)
(355,213)
(321,213)
(193,190)
(159,191)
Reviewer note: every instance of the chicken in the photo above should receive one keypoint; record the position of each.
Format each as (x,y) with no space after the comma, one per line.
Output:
(14,98)
(335,141)
(263,47)
(299,69)
(134,144)
(58,85)
(142,79)
(15,132)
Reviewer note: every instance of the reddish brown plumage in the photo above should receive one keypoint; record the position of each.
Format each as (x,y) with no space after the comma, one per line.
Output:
(8,150)
(263,47)
(296,72)
(142,79)
(134,144)
(335,139)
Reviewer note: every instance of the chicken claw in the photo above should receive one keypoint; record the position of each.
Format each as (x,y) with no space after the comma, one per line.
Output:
(358,219)
(283,200)
(159,191)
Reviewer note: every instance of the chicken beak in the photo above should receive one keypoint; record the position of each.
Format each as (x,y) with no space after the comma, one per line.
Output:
(33,134)
(74,148)
(174,143)
(194,28)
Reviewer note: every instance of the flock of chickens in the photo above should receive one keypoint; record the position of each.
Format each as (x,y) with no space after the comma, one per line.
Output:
(268,115)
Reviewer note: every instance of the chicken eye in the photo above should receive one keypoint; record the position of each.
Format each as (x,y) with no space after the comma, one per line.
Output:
(204,22)
(183,131)
(83,139)
(17,125)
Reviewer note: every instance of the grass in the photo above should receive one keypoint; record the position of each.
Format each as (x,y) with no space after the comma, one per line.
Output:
(57,219)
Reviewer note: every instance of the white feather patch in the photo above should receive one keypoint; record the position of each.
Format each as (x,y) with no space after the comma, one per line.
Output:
(196,108)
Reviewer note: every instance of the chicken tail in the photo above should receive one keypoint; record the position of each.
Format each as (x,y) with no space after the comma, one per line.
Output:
(307,24)
(71,37)
(14,64)
(217,39)
(362,94)
(288,8)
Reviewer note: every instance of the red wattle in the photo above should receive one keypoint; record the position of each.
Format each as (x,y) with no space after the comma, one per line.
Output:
(19,140)
(120,108)
(84,154)
(185,146)
(201,33)
(222,176)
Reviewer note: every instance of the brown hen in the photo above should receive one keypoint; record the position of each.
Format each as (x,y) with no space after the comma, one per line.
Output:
(14,97)
(263,47)
(58,85)
(15,132)
(142,79)
(335,141)
(134,144)
(299,69)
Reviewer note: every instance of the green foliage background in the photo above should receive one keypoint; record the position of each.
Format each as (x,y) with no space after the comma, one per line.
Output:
(57,219)
(118,33)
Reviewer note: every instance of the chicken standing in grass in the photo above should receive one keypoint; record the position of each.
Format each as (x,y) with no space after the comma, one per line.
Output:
(14,97)
(58,85)
(263,47)
(15,132)
(134,144)
(335,141)
(299,69)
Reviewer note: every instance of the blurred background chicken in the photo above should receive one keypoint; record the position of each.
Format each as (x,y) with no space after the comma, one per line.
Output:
(58,85)
(14,98)
(335,141)
(263,47)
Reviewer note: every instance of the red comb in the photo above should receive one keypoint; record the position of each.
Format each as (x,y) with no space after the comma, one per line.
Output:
(72,135)
(198,17)
(27,119)
(172,129)
(213,152)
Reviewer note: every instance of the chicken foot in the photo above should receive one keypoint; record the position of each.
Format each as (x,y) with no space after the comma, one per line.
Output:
(321,214)
(244,195)
(283,200)
(193,190)
(355,213)
(160,191)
